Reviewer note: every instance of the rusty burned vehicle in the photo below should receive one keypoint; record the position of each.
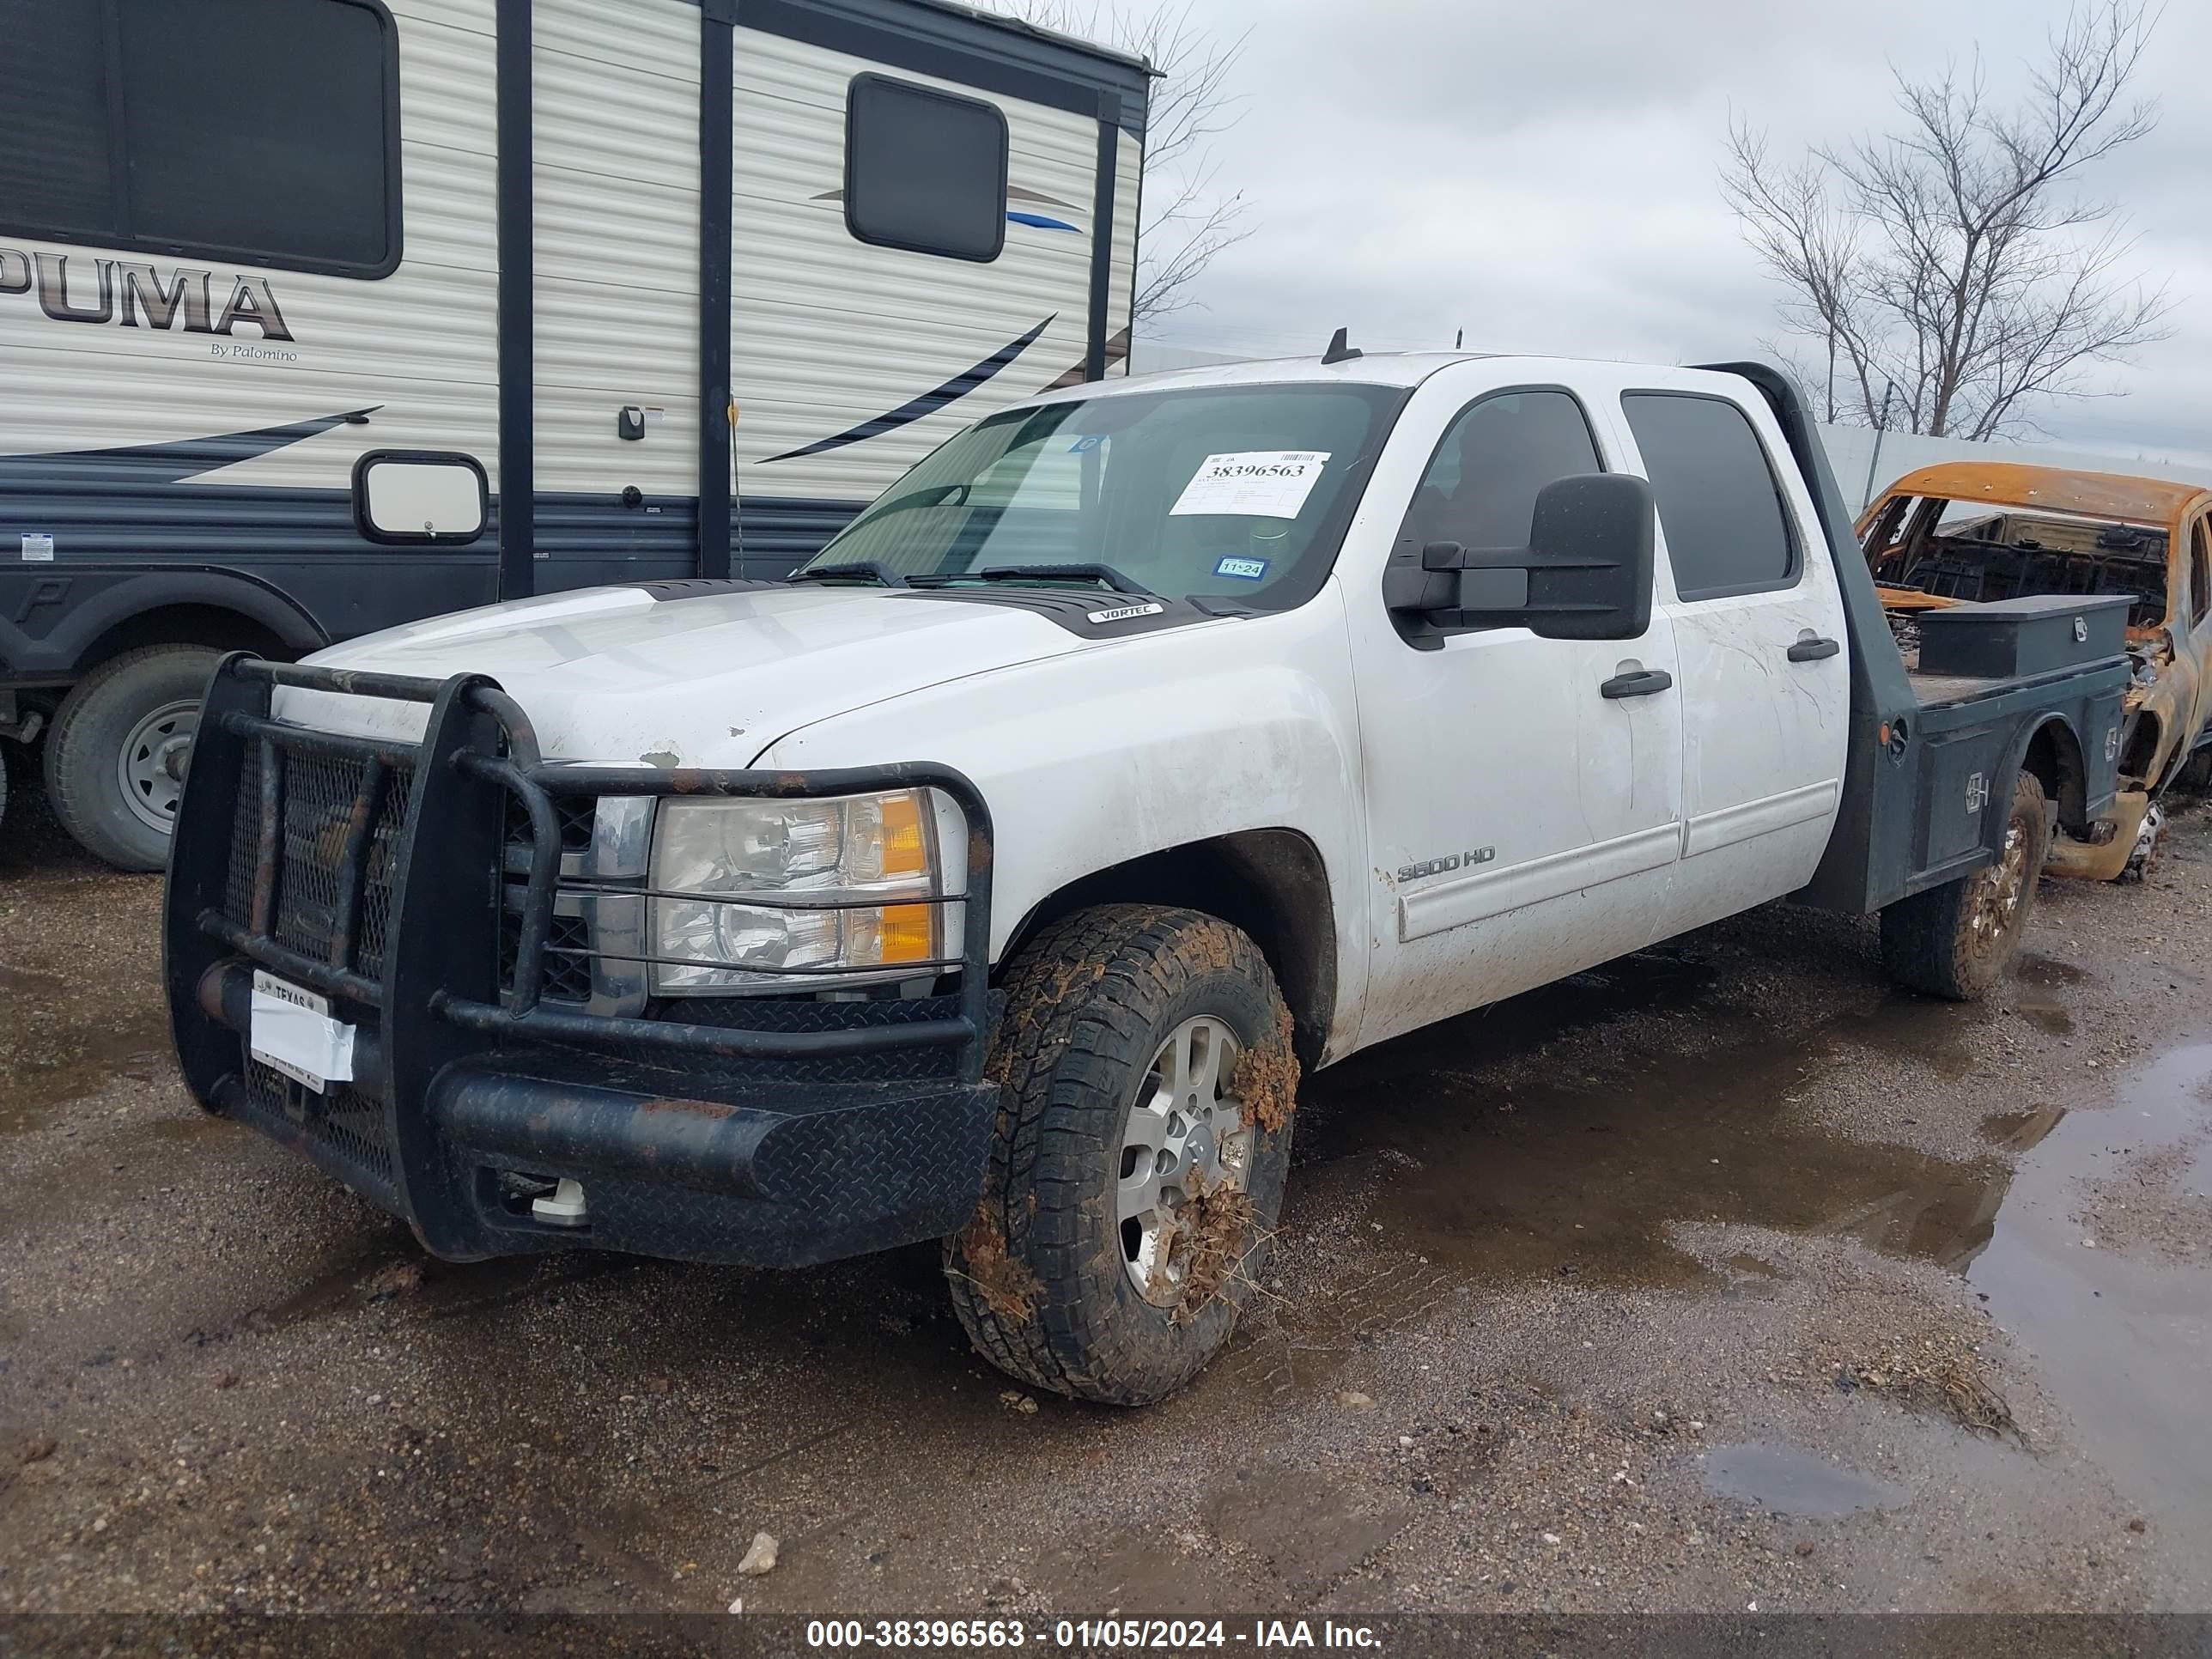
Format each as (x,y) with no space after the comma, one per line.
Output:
(1963,532)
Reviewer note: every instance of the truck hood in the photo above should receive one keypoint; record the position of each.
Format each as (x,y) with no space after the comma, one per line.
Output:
(619,674)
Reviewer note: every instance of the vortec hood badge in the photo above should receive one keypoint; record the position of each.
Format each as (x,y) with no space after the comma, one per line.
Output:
(1123,612)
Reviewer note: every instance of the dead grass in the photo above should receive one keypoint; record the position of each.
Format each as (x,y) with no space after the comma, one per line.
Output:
(1208,1239)
(1267,1080)
(1009,1289)
(1947,1385)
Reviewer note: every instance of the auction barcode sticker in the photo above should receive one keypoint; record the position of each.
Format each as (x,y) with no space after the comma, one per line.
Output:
(1260,484)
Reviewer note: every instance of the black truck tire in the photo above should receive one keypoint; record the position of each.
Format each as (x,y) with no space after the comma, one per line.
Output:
(1956,940)
(108,771)
(1058,1284)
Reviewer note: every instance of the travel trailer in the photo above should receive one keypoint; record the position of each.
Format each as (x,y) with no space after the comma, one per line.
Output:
(322,318)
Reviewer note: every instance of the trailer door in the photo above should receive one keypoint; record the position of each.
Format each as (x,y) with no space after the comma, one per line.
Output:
(615,123)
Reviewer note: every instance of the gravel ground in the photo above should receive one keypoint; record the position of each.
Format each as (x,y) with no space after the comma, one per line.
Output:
(1722,1276)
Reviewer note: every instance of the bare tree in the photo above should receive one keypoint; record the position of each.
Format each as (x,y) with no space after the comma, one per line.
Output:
(1953,259)
(1187,218)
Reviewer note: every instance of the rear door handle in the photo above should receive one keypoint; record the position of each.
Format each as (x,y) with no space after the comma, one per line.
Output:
(1813,650)
(1642,683)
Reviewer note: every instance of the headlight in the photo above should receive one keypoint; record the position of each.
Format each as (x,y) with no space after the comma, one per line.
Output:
(843,853)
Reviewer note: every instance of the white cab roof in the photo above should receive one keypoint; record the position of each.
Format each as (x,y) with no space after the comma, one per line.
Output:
(1397,369)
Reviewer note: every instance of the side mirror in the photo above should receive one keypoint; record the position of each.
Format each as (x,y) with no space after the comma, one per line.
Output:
(1585,574)
(420,495)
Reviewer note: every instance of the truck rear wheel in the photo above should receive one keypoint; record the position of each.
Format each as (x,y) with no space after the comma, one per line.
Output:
(1139,1162)
(1956,940)
(116,759)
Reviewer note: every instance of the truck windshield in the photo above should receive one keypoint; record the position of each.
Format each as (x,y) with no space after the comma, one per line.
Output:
(1238,494)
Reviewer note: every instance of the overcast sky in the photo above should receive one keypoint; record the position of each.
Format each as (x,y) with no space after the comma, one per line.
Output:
(1545,176)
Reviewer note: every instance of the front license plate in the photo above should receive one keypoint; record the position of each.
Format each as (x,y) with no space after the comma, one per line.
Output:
(293,1031)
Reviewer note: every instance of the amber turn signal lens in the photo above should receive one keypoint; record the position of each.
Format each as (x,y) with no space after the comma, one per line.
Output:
(906,932)
(906,851)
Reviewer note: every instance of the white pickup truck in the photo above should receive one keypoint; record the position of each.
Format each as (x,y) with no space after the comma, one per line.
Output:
(992,879)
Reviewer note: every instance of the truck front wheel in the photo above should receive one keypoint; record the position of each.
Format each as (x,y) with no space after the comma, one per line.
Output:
(1956,940)
(1137,1164)
(116,759)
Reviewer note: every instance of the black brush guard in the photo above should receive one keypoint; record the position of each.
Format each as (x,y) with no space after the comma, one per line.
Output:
(797,1130)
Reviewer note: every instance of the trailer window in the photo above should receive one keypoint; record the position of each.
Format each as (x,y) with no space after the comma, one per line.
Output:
(1719,502)
(256,132)
(925,169)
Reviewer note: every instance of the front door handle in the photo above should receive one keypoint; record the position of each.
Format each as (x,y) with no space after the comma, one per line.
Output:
(1641,684)
(1811,650)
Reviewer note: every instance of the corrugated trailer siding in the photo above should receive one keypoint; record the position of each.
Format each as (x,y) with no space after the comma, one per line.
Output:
(419,345)
(1128,184)
(831,333)
(417,350)
(615,127)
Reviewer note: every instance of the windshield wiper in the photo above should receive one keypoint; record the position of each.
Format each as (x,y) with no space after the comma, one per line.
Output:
(874,569)
(1105,574)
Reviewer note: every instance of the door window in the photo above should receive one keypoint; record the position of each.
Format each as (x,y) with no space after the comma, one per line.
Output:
(1482,485)
(1719,502)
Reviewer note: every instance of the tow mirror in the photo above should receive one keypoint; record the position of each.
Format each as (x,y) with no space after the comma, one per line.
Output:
(419,496)
(1585,574)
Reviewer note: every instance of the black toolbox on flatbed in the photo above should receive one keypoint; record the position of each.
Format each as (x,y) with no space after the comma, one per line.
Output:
(2013,638)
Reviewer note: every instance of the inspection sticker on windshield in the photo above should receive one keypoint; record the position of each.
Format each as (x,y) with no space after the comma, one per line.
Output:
(292,1030)
(1259,483)
(1245,570)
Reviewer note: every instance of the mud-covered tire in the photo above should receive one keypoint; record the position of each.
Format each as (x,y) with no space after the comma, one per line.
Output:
(86,767)
(1957,940)
(1040,1277)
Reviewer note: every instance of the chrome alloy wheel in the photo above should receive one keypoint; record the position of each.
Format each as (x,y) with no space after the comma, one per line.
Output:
(1185,1132)
(2001,888)
(151,764)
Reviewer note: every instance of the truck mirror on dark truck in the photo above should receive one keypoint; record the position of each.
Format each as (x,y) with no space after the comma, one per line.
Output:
(995,882)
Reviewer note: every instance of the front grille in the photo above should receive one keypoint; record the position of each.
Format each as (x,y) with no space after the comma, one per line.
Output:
(576,814)
(567,975)
(569,960)
(346,1120)
(319,793)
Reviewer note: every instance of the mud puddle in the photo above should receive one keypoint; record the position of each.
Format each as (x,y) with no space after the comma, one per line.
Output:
(1583,1175)
(1788,1480)
(52,1059)
(2097,1266)
(2088,1232)
(395,1270)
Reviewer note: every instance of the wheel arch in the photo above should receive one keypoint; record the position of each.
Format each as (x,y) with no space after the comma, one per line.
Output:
(2142,736)
(1271,882)
(217,609)
(2052,755)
